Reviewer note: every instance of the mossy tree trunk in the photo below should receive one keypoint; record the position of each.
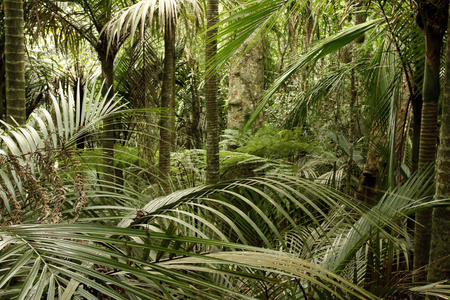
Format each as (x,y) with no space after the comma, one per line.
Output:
(439,264)
(212,111)
(246,83)
(15,62)
(434,16)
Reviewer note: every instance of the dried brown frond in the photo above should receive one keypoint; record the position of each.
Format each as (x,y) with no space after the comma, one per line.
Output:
(81,196)
(50,172)
(36,195)
(16,210)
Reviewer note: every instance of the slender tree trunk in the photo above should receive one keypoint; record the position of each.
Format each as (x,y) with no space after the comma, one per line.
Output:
(402,127)
(167,103)
(2,83)
(194,130)
(351,133)
(417,111)
(434,15)
(360,18)
(15,62)
(439,264)
(212,114)
(108,136)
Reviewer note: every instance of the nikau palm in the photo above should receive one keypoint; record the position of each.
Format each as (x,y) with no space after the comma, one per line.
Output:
(434,15)
(212,114)
(15,62)
(134,18)
(439,264)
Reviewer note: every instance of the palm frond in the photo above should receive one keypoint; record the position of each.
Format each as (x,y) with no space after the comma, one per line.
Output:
(323,48)
(135,17)
(392,206)
(30,150)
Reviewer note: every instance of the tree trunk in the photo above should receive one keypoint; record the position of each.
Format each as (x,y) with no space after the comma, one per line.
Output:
(2,85)
(195,135)
(439,264)
(360,18)
(212,114)
(401,132)
(417,111)
(167,103)
(246,84)
(351,133)
(434,16)
(108,136)
(15,62)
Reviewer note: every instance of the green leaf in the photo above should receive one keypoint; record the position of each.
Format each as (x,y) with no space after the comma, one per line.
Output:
(322,49)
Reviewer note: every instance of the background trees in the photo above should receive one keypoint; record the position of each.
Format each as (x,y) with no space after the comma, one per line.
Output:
(317,202)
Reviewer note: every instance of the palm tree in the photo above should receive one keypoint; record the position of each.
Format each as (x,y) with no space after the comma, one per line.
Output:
(212,115)
(79,22)
(15,62)
(434,16)
(133,17)
(185,243)
(439,264)
(167,122)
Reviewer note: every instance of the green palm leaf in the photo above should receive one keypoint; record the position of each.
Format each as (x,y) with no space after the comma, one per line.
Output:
(322,49)
(63,250)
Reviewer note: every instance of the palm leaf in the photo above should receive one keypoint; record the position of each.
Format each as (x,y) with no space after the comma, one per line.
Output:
(62,249)
(135,17)
(28,144)
(322,49)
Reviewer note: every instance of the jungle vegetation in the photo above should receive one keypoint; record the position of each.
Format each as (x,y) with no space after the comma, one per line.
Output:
(234,149)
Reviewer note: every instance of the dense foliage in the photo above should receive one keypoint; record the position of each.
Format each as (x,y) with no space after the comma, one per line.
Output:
(103,190)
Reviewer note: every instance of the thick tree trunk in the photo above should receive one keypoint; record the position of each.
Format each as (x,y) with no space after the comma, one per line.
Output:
(167,104)
(434,15)
(246,84)
(15,62)
(439,264)
(212,114)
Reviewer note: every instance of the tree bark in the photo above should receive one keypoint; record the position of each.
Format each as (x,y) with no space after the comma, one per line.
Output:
(434,16)
(360,18)
(351,133)
(246,84)
(212,114)
(167,105)
(195,135)
(417,112)
(15,62)
(108,136)
(439,264)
